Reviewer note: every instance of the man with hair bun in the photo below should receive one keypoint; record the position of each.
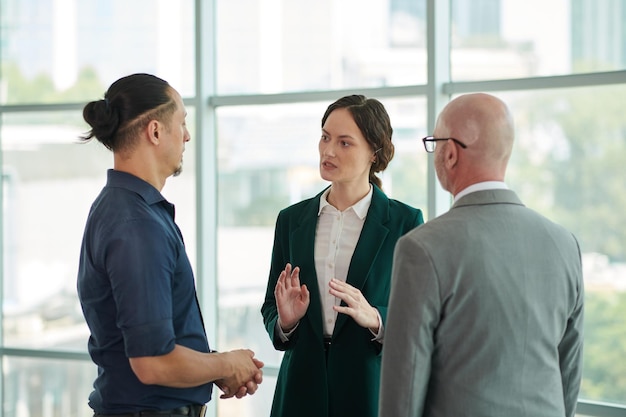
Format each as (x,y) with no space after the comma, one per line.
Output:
(135,281)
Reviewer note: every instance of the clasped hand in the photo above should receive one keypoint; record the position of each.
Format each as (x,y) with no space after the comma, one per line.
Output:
(246,374)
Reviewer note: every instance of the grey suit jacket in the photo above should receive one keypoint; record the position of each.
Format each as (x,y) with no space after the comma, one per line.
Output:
(485,315)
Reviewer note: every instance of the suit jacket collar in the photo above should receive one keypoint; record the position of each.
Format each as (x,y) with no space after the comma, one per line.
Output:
(493,196)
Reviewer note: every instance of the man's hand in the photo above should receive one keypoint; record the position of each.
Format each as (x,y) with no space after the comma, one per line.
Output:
(246,374)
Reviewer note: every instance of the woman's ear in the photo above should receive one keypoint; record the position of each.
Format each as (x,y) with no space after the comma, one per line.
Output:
(373,160)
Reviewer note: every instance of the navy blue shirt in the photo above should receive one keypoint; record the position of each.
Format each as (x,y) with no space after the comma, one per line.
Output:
(137,292)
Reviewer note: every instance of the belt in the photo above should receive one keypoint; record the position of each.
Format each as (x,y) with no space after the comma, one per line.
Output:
(193,410)
(327,341)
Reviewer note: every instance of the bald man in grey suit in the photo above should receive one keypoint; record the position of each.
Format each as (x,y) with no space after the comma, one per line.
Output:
(486,309)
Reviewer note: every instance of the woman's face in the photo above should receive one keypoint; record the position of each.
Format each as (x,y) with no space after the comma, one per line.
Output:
(345,155)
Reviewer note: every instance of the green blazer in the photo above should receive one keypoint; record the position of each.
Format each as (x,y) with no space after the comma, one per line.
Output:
(346,384)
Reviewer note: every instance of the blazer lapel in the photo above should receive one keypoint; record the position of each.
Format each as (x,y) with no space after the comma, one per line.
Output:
(303,252)
(372,237)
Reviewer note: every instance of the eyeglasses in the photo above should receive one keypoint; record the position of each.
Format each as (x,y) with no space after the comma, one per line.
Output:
(430,143)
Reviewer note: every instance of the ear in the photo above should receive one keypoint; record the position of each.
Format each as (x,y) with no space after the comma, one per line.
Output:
(373,160)
(154,131)
(451,155)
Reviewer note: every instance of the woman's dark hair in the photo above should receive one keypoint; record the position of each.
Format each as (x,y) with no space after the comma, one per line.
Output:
(128,104)
(372,119)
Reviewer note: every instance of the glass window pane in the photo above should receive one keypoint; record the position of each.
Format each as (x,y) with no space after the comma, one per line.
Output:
(268,159)
(568,164)
(49,183)
(47,387)
(282,45)
(405,178)
(70,51)
(500,39)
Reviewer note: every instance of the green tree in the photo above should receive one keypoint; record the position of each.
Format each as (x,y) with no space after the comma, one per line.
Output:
(568,164)
(41,89)
(582,174)
(604,375)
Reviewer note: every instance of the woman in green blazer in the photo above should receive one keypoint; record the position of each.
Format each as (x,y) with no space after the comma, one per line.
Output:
(329,281)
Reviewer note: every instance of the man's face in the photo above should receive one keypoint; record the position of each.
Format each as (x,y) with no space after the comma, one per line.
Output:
(440,166)
(176,135)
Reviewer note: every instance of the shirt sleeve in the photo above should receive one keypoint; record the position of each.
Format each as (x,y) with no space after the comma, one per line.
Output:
(284,336)
(379,336)
(141,262)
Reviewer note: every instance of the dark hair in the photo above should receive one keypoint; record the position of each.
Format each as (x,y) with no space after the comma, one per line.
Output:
(128,104)
(372,119)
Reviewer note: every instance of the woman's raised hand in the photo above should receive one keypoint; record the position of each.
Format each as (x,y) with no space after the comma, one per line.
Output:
(292,299)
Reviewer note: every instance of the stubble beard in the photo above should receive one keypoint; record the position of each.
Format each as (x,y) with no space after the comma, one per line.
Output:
(178,170)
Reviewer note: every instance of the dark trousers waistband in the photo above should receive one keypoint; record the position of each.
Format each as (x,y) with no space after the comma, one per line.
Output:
(185,411)
(327,341)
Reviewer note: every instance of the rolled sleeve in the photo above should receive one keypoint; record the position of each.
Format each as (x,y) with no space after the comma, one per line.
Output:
(153,339)
(142,265)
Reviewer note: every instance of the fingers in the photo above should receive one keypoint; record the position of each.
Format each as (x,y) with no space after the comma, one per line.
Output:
(248,389)
(295,277)
(246,380)
(258,377)
(242,391)
(227,391)
(356,306)
(251,387)
(226,394)
(249,352)
(345,292)
(291,276)
(280,284)
(292,299)
(288,278)
(224,388)
(342,286)
(259,364)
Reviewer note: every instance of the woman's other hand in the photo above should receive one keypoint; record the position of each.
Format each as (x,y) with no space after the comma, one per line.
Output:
(357,306)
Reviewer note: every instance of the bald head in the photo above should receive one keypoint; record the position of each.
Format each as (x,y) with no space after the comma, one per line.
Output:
(483,123)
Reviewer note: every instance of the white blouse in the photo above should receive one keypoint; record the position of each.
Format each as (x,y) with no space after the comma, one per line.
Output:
(335,240)
(336,237)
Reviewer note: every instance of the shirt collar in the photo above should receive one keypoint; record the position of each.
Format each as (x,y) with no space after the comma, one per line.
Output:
(480,186)
(360,207)
(121,179)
